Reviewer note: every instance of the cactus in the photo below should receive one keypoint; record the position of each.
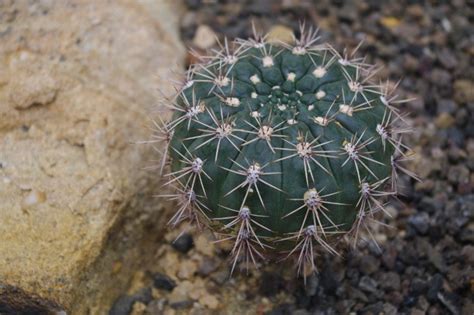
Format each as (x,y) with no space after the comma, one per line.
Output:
(283,148)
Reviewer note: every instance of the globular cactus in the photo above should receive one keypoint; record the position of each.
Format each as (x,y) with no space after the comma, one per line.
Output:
(283,148)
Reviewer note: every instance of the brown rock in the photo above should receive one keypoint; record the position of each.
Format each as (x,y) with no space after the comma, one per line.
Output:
(76,84)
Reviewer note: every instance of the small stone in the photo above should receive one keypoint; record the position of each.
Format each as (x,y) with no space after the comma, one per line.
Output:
(187,269)
(207,266)
(389,309)
(463,91)
(155,307)
(446,106)
(220,277)
(209,301)
(179,297)
(205,37)
(434,286)
(418,286)
(122,306)
(390,21)
(163,282)
(138,308)
(436,259)
(183,243)
(368,284)
(369,264)
(420,221)
(447,58)
(467,253)
(444,121)
(204,245)
(280,33)
(390,281)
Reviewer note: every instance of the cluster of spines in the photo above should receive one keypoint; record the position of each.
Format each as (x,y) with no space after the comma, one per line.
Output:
(240,226)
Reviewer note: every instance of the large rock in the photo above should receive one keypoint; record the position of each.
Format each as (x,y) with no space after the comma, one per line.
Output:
(78,80)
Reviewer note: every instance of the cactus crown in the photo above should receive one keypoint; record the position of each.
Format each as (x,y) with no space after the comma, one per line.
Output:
(282,148)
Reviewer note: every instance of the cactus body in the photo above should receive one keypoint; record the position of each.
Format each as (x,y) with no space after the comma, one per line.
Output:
(280,147)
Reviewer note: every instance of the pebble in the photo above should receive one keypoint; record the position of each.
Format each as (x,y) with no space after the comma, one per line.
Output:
(368,284)
(420,221)
(179,297)
(184,243)
(463,91)
(280,33)
(204,245)
(389,281)
(210,301)
(138,308)
(205,37)
(369,264)
(162,281)
(187,269)
(444,120)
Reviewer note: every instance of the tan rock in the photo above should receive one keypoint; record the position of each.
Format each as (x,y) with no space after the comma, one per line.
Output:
(205,37)
(209,301)
(464,91)
(444,120)
(77,82)
(138,308)
(280,33)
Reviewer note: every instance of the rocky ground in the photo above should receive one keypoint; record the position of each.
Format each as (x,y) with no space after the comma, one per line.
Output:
(426,262)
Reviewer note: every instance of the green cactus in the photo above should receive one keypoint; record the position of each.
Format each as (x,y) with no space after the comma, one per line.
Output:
(283,148)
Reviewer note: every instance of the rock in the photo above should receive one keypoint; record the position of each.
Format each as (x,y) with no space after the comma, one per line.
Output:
(207,266)
(420,221)
(179,297)
(183,243)
(468,254)
(444,120)
(124,305)
(390,281)
(162,281)
(463,91)
(204,245)
(390,21)
(155,307)
(210,301)
(138,308)
(187,268)
(369,264)
(204,38)
(76,85)
(280,34)
(436,259)
(434,287)
(389,309)
(368,284)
